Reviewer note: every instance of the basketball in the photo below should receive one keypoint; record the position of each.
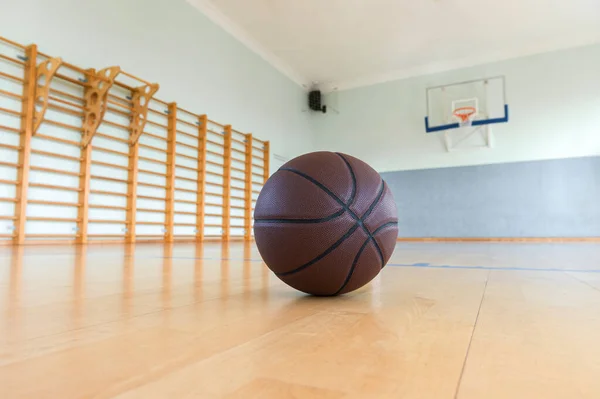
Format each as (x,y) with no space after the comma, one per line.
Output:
(325,223)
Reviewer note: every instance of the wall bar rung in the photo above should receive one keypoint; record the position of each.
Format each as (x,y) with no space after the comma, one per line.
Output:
(186,167)
(11,95)
(14,44)
(156,136)
(214,153)
(186,179)
(214,163)
(63,125)
(109,165)
(187,156)
(54,187)
(215,123)
(66,110)
(11,77)
(106,235)
(151,210)
(208,172)
(57,203)
(163,175)
(185,213)
(214,143)
(113,179)
(57,139)
(118,111)
(10,129)
(10,112)
(179,132)
(187,123)
(141,183)
(185,190)
(66,95)
(158,161)
(51,219)
(150,197)
(102,192)
(109,137)
(107,221)
(108,150)
(118,208)
(186,145)
(157,125)
(186,201)
(55,171)
(150,147)
(121,99)
(188,112)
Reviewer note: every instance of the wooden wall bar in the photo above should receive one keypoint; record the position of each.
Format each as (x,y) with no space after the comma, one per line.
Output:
(92,156)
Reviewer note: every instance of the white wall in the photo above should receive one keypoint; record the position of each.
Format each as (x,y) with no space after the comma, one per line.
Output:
(554,101)
(169,42)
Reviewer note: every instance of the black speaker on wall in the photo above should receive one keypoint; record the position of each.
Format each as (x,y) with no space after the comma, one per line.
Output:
(314,101)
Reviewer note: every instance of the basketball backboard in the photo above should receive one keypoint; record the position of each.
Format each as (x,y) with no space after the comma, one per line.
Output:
(472,103)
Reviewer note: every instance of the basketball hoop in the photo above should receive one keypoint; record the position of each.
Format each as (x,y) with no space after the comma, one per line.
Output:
(464,114)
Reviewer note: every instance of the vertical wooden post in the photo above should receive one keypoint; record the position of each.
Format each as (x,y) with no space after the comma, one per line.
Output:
(84,177)
(248,187)
(202,130)
(226,183)
(266,160)
(84,194)
(171,147)
(27,122)
(134,151)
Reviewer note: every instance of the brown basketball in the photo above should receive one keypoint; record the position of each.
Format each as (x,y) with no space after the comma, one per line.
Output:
(326,223)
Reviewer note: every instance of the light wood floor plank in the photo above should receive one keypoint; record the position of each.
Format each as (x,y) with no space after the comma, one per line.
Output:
(211,321)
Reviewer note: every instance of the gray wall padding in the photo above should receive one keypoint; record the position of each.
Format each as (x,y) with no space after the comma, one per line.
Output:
(554,198)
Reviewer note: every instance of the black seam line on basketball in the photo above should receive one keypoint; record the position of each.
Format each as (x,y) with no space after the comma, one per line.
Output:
(375,202)
(372,237)
(324,254)
(353,176)
(354,263)
(303,221)
(379,252)
(367,213)
(325,189)
(383,226)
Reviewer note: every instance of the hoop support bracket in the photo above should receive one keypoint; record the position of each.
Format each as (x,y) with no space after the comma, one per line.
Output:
(140,98)
(46,70)
(96,94)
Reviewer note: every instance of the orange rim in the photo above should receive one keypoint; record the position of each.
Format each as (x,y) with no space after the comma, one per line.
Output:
(464,113)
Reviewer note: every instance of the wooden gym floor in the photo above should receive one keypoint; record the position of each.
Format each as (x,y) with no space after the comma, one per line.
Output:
(476,321)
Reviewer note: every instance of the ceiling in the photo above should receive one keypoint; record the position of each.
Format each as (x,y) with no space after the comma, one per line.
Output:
(351,43)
